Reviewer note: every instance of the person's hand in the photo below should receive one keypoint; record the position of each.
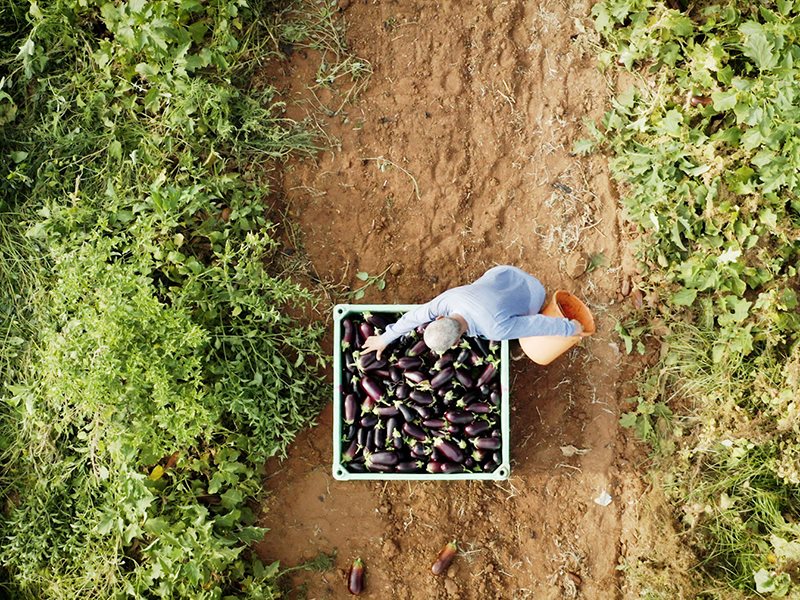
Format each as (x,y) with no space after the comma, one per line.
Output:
(373,344)
(578,326)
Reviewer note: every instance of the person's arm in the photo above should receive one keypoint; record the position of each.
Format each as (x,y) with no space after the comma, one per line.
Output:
(533,325)
(412,319)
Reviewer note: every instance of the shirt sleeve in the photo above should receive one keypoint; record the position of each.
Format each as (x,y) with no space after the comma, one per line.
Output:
(425,313)
(533,325)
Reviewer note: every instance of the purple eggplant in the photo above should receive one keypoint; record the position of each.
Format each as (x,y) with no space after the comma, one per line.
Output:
(487,443)
(350,434)
(463,356)
(479,408)
(348,334)
(372,388)
(415,431)
(380,436)
(434,466)
(378,320)
(370,445)
(464,379)
(355,578)
(459,417)
(490,467)
(409,363)
(361,437)
(420,397)
(494,398)
(351,409)
(419,450)
(437,433)
(350,363)
(453,429)
(386,411)
(417,349)
(366,330)
(449,450)
(424,412)
(381,468)
(442,377)
(480,345)
(395,374)
(369,420)
(444,361)
(388,459)
(477,428)
(351,451)
(409,466)
(408,413)
(449,467)
(393,425)
(357,467)
(487,374)
(402,391)
(436,423)
(415,376)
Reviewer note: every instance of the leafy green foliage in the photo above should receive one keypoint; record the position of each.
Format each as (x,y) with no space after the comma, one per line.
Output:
(154,351)
(705,149)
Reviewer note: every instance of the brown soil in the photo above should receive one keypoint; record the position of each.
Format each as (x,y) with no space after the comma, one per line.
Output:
(456,157)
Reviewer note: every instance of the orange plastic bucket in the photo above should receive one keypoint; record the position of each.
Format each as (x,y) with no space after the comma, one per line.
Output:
(544,349)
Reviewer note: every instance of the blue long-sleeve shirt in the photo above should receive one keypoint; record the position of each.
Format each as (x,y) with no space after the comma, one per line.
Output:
(503,304)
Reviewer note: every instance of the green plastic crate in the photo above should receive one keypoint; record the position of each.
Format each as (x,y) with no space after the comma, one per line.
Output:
(340,472)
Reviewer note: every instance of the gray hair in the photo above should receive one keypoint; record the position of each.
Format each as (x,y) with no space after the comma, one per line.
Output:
(442,334)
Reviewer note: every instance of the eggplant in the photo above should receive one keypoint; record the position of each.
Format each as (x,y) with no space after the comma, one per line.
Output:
(497,458)
(386,411)
(351,432)
(449,450)
(366,330)
(419,450)
(378,320)
(479,408)
(444,361)
(421,397)
(417,349)
(409,363)
(402,391)
(351,452)
(372,388)
(380,436)
(351,409)
(368,405)
(350,363)
(436,423)
(438,433)
(487,443)
(453,429)
(449,467)
(463,356)
(392,425)
(408,413)
(490,466)
(370,445)
(381,468)
(361,437)
(464,379)
(486,376)
(348,334)
(409,466)
(476,428)
(357,467)
(388,459)
(425,412)
(494,398)
(415,431)
(459,417)
(415,376)
(434,466)
(443,377)
(395,374)
(480,345)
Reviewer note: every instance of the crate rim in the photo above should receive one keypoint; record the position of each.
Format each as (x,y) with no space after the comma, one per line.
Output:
(339,473)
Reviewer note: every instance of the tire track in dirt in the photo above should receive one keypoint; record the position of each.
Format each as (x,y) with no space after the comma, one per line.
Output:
(479,102)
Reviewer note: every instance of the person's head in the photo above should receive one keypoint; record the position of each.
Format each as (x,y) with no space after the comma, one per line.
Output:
(442,334)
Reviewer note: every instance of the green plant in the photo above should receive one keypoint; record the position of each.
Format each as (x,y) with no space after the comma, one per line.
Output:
(369,280)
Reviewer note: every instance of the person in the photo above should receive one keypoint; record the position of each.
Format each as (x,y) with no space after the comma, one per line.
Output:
(502,304)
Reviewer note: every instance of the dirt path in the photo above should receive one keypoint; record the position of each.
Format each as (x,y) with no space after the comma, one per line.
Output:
(456,158)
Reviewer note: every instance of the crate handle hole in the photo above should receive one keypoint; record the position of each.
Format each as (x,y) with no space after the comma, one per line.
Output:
(340,472)
(340,311)
(502,472)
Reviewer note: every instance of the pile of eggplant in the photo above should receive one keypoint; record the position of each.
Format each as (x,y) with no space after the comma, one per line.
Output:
(414,411)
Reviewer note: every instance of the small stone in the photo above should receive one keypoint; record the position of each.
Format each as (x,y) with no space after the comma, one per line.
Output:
(451,587)
(452,571)
(390,548)
(575,264)
(625,290)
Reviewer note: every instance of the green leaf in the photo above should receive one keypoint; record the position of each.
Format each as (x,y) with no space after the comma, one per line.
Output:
(759,49)
(685,297)
(724,100)
(628,420)
(362,275)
